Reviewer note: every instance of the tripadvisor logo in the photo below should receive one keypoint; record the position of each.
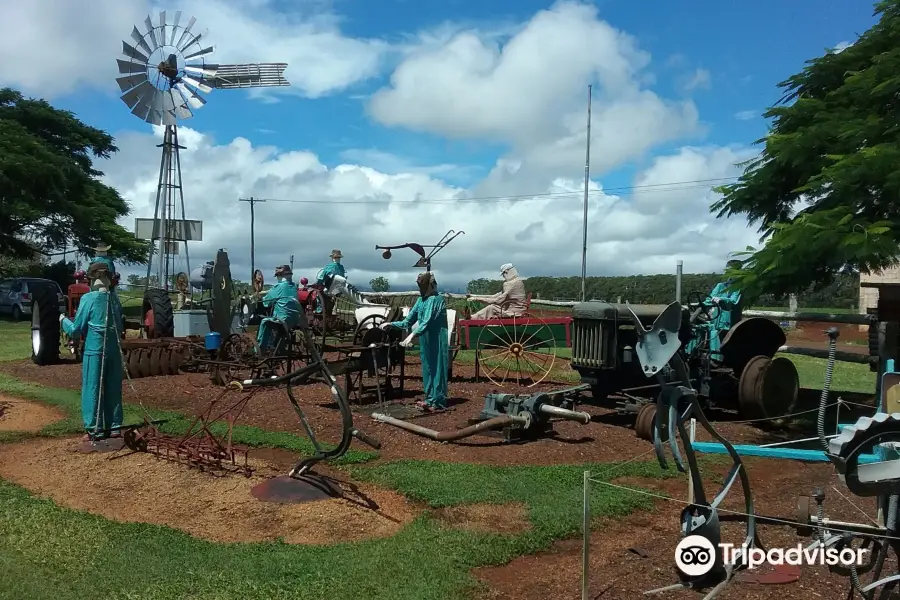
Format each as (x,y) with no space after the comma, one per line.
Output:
(695,556)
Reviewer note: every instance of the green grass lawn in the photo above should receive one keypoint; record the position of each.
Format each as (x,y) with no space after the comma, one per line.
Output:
(47,551)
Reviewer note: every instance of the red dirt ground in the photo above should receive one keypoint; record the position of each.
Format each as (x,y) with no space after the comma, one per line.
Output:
(616,572)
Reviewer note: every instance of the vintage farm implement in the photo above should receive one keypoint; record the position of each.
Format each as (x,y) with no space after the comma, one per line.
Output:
(208,445)
(201,446)
(865,455)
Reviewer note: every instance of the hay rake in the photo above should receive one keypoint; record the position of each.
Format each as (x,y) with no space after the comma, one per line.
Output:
(200,447)
(657,352)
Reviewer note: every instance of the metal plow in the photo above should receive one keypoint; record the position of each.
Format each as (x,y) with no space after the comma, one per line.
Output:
(207,445)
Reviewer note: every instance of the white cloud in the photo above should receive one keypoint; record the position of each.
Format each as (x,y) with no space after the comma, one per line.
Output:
(51,47)
(394,165)
(358,207)
(530,93)
(699,79)
(746,115)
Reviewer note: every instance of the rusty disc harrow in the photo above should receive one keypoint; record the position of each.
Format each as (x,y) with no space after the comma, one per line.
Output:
(156,360)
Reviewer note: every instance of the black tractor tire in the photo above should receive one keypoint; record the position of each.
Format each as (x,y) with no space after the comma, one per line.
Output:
(45,328)
(159,304)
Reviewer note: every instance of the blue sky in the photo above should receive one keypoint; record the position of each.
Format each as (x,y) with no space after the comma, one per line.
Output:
(721,59)
(746,47)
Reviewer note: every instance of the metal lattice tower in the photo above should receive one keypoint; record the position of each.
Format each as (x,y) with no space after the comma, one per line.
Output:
(163,74)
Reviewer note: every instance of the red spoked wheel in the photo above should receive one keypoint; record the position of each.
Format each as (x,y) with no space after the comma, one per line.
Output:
(516,349)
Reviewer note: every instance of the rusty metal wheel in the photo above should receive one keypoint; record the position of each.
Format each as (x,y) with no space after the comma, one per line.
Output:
(519,350)
(643,424)
(768,389)
(176,359)
(165,358)
(154,354)
(144,362)
(132,362)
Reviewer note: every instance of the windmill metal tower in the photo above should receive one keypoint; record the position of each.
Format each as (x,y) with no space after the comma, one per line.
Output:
(163,74)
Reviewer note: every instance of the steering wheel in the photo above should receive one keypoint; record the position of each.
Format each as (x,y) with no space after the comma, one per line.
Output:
(699,307)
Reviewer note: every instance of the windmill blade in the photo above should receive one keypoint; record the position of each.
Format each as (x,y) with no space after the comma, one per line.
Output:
(171,99)
(126,83)
(175,28)
(199,84)
(161,30)
(151,31)
(193,98)
(142,109)
(194,40)
(249,75)
(169,118)
(131,51)
(156,101)
(133,96)
(183,112)
(186,33)
(154,117)
(202,52)
(127,66)
(138,38)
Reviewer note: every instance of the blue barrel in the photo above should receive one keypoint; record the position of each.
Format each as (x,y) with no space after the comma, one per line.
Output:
(213,340)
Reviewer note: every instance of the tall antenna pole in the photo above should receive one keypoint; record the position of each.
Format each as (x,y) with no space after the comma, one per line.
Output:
(252,202)
(587,178)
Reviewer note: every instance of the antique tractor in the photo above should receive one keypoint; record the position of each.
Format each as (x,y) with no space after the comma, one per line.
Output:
(744,374)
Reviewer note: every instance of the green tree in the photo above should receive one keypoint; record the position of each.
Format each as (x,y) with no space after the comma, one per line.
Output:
(483,287)
(50,191)
(380,284)
(833,145)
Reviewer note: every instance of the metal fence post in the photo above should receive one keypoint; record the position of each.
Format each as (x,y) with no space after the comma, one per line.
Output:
(690,479)
(586,530)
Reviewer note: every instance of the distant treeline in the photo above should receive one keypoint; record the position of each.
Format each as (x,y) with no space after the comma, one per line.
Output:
(660,289)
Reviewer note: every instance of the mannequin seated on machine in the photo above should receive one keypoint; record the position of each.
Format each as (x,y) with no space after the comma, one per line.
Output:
(511,301)
(285,310)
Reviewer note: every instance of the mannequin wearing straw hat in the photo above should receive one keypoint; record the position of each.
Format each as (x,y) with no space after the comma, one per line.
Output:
(324,279)
(102,255)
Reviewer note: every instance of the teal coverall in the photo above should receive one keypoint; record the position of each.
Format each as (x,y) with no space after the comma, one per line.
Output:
(428,320)
(724,316)
(331,269)
(286,309)
(101,368)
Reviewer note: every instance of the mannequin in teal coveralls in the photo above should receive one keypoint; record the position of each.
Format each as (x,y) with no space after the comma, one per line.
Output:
(428,321)
(324,277)
(723,306)
(285,308)
(97,322)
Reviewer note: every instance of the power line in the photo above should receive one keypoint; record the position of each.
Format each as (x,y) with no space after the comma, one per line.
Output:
(655,187)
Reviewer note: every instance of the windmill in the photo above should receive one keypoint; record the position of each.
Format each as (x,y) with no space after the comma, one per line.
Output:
(162,76)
